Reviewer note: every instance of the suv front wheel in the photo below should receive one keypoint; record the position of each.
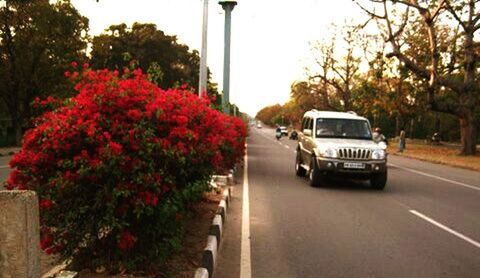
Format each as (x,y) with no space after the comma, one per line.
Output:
(299,170)
(314,174)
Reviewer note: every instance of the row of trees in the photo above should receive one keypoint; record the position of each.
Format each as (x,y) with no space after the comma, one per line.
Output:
(39,40)
(413,64)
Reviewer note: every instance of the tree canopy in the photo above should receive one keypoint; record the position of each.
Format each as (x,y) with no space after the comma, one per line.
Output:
(413,65)
(172,63)
(38,40)
(448,64)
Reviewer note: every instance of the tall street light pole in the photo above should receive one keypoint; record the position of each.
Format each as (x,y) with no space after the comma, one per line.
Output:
(228,7)
(202,82)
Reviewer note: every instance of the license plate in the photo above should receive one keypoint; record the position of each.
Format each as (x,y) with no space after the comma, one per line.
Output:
(353,165)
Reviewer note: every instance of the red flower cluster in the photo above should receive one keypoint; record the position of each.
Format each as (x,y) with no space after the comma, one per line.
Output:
(126,241)
(46,204)
(112,157)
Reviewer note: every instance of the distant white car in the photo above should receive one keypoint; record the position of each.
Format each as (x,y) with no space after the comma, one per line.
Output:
(259,126)
(284,130)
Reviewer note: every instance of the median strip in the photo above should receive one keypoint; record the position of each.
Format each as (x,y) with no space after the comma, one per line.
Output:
(211,251)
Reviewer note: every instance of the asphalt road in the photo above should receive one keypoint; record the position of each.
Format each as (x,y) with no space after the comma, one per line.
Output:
(426,223)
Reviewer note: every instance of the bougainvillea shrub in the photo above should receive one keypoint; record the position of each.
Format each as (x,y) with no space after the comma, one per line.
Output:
(115,166)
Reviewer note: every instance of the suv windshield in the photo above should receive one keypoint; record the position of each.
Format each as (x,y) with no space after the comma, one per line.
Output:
(342,128)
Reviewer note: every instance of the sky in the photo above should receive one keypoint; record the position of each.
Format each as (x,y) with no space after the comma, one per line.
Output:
(270,42)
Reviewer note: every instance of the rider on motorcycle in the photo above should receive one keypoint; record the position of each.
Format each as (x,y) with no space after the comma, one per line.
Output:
(293,135)
(278,133)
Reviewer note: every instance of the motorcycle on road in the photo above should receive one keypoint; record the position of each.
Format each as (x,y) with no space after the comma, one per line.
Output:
(278,134)
(293,135)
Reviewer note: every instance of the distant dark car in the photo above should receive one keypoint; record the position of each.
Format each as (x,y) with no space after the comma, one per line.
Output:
(284,130)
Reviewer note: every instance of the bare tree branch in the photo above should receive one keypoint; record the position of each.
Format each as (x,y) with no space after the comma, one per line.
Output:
(344,79)
(476,27)
(471,6)
(439,8)
(455,15)
(328,81)
(453,58)
(372,14)
(413,4)
(476,19)
(423,73)
(404,23)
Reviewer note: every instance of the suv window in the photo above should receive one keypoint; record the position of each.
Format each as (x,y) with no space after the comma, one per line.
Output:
(304,123)
(342,128)
(310,124)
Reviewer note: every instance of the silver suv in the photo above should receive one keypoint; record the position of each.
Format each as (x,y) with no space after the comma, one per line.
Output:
(339,144)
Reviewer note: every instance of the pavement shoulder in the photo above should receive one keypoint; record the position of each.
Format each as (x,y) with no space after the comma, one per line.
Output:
(228,264)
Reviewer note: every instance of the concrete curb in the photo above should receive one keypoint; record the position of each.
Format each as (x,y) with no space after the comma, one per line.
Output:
(201,273)
(67,274)
(224,180)
(209,257)
(222,209)
(216,228)
(210,253)
(59,271)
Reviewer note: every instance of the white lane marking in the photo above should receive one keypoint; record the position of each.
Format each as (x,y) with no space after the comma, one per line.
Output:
(445,228)
(245,257)
(287,147)
(4,167)
(435,177)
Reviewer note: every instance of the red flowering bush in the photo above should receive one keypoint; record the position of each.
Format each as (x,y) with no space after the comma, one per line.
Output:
(115,166)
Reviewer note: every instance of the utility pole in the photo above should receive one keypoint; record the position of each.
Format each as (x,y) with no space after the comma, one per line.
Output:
(202,82)
(228,7)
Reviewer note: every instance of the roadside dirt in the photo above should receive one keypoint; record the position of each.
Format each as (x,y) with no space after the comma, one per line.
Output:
(439,154)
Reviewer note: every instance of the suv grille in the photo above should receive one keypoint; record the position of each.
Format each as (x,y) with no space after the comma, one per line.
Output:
(351,153)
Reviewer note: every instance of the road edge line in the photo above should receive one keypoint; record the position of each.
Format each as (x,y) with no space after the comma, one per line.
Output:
(245,255)
(435,177)
(445,228)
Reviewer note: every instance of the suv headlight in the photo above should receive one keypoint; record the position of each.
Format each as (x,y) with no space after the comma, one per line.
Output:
(329,152)
(378,154)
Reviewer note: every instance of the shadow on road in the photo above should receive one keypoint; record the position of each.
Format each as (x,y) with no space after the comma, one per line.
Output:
(332,183)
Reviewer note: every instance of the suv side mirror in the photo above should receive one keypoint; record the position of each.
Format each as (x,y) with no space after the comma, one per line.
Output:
(307,132)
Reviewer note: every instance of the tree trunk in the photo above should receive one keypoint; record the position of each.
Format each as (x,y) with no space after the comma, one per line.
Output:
(437,124)
(468,131)
(412,123)
(18,134)
(17,124)
(398,124)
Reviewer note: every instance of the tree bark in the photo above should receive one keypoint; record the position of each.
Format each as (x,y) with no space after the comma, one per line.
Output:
(468,131)
(17,123)
(18,134)
(437,123)
(398,123)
